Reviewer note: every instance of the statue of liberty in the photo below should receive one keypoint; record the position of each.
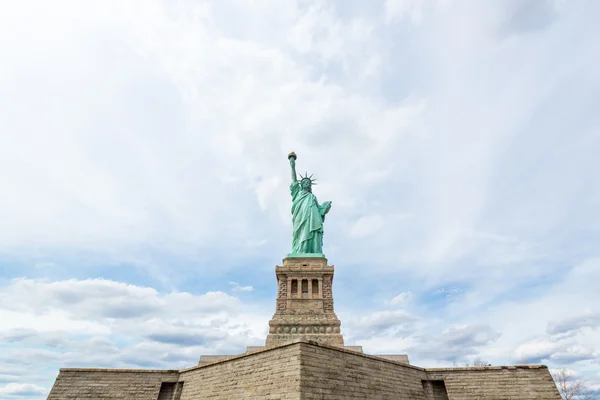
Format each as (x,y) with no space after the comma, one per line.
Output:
(307,215)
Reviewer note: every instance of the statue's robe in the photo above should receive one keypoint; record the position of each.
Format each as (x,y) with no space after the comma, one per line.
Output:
(307,219)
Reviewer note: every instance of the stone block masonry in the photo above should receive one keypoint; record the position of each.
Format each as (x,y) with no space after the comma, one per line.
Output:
(268,374)
(105,384)
(332,373)
(304,305)
(503,383)
(308,371)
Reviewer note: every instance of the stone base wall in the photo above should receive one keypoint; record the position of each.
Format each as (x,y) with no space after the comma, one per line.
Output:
(332,373)
(269,374)
(308,371)
(109,384)
(525,382)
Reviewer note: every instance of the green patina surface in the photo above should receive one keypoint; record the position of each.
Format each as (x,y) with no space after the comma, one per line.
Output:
(308,216)
(306,255)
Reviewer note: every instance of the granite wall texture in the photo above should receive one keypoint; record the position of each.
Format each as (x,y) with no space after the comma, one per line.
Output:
(526,382)
(331,373)
(269,374)
(308,371)
(105,384)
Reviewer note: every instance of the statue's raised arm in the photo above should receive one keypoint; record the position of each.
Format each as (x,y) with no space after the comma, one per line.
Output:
(292,157)
(307,215)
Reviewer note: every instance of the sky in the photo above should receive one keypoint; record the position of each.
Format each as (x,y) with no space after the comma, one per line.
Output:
(144,178)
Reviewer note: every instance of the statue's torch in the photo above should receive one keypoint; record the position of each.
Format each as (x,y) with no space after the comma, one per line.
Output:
(292,155)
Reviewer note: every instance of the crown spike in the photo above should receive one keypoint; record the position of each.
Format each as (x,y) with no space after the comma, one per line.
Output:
(309,178)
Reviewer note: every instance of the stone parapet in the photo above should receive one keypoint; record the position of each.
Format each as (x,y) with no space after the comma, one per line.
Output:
(401,358)
(304,263)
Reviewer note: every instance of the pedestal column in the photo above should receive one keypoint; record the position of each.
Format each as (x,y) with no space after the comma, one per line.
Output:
(310,316)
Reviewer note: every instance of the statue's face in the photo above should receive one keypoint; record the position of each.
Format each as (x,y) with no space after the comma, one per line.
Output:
(305,184)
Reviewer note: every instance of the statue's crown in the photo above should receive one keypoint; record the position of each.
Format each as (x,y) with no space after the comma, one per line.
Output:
(308,178)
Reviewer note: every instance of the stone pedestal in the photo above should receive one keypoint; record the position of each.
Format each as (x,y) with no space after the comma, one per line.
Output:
(304,303)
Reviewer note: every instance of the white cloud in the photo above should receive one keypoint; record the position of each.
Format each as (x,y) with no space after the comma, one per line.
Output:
(536,350)
(366,226)
(86,321)
(556,351)
(387,323)
(228,106)
(236,287)
(22,389)
(455,343)
(400,299)
(399,9)
(449,291)
(574,323)
(101,299)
